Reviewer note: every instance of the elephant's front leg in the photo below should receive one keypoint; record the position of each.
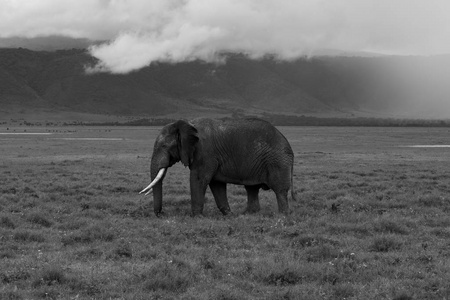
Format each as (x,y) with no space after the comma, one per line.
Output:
(198,190)
(219,191)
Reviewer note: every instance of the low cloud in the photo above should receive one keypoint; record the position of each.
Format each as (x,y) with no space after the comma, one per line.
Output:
(140,32)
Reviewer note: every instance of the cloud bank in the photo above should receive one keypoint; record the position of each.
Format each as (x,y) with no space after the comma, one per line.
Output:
(140,32)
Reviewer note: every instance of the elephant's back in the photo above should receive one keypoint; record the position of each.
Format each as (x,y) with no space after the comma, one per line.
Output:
(264,131)
(244,134)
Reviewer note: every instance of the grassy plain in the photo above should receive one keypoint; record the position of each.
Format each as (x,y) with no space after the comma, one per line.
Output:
(372,220)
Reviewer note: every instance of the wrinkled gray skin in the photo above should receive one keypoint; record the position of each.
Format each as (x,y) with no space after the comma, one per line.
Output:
(249,152)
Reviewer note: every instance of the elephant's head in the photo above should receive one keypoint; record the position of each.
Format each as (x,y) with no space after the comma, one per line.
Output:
(176,142)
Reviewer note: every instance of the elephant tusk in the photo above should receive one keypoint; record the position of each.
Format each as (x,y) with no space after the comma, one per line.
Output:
(158,177)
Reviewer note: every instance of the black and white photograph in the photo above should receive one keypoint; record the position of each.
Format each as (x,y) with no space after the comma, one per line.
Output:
(225,149)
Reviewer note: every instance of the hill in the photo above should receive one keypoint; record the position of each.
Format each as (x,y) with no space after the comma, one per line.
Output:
(46,43)
(53,85)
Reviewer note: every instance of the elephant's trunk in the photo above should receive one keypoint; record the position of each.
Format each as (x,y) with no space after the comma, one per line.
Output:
(157,198)
(156,171)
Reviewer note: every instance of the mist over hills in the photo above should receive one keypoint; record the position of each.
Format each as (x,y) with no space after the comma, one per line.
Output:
(54,84)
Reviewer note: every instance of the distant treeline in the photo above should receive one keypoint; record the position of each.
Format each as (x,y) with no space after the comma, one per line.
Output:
(138,122)
(285,120)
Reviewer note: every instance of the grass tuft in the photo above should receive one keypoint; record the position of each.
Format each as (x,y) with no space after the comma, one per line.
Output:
(123,250)
(434,201)
(343,291)
(50,276)
(47,292)
(11,295)
(40,219)
(226,293)
(148,254)
(285,272)
(403,296)
(390,226)
(28,236)
(310,241)
(283,277)
(72,224)
(207,263)
(14,275)
(6,222)
(321,253)
(89,287)
(7,254)
(385,244)
(172,276)
(88,254)
(99,232)
(99,204)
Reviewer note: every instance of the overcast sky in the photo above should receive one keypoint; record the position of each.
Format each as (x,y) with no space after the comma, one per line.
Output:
(143,31)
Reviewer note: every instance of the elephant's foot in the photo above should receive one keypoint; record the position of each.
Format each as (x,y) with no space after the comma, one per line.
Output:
(197,210)
(196,215)
(225,211)
(285,211)
(159,214)
(252,210)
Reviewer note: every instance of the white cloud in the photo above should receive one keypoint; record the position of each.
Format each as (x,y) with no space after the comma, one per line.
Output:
(143,31)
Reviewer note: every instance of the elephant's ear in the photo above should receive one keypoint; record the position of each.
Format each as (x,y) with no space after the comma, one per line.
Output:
(187,139)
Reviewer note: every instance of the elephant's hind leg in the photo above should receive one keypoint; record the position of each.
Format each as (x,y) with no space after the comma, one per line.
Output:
(219,191)
(253,199)
(279,182)
(282,200)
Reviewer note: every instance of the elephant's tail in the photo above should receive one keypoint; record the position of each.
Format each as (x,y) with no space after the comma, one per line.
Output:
(293,195)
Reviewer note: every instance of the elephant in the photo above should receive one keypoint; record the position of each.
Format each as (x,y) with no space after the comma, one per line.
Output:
(247,151)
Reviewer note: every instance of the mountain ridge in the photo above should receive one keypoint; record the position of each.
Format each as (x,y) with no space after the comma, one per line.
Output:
(55,83)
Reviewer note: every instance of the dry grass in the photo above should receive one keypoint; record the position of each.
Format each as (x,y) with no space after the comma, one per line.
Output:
(372,222)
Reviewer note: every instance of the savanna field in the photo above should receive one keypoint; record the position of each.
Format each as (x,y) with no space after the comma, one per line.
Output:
(372,220)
